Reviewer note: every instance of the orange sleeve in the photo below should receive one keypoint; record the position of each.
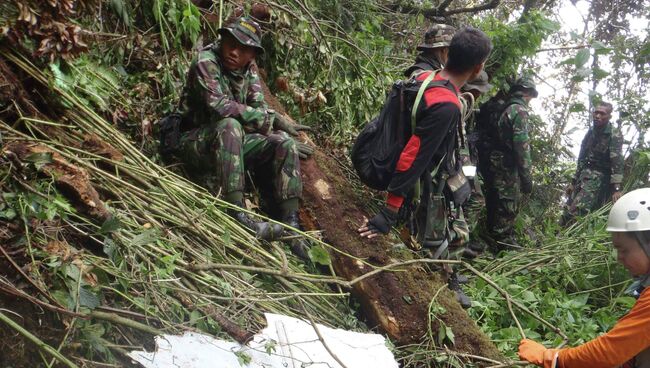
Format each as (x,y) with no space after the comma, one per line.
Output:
(629,337)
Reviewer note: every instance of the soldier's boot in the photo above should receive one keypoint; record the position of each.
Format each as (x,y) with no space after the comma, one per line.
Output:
(263,230)
(299,246)
(454,285)
(473,250)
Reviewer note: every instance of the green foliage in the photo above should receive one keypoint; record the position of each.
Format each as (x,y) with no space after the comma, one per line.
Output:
(352,70)
(513,42)
(92,83)
(570,279)
(179,18)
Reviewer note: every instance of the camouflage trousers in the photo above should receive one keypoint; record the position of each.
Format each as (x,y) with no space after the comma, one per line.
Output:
(501,190)
(218,153)
(436,222)
(590,192)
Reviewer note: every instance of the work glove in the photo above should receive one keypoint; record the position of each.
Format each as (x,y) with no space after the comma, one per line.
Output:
(537,354)
(281,123)
(526,186)
(381,223)
(304,150)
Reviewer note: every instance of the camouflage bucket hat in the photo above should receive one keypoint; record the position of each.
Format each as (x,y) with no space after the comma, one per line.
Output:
(480,83)
(246,31)
(439,35)
(525,83)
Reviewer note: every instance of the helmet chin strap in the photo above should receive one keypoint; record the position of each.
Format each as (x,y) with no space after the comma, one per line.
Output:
(644,241)
(643,237)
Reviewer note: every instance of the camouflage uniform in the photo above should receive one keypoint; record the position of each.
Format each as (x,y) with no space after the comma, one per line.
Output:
(228,128)
(600,167)
(438,36)
(505,166)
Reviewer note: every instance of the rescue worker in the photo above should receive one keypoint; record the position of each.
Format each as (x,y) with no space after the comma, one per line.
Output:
(434,50)
(505,163)
(469,157)
(427,149)
(627,344)
(227,128)
(600,167)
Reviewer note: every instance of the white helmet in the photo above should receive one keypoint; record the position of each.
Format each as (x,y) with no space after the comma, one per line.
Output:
(631,212)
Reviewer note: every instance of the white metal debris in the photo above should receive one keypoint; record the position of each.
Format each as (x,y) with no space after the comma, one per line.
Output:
(286,342)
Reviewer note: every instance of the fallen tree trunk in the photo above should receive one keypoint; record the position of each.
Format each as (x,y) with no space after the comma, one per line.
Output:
(396,302)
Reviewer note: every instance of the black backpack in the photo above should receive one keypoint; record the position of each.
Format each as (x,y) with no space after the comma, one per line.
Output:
(377,148)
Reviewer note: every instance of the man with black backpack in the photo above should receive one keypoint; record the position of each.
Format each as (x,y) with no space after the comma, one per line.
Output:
(504,159)
(427,157)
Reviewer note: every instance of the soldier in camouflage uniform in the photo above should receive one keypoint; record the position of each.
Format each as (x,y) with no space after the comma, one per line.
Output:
(227,128)
(433,51)
(600,167)
(506,163)
(469,157)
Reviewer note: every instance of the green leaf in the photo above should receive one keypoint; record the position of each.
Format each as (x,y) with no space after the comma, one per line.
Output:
(600,48)
(73,272)
(577,107)
(194,317)
(88,299)
(110,225)
(319,255)
(599,73)
(64,298)
(109,248)
(449,334)
(8,214)
(147,237)
(581,58)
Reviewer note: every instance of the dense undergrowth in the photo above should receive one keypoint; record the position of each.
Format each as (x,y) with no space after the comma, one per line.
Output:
(330,62)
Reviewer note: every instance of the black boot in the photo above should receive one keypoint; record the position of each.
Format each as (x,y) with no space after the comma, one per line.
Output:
(263,230)
(299,246)
(461,297)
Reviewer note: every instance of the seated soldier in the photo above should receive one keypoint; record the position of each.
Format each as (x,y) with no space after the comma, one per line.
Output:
(227,128)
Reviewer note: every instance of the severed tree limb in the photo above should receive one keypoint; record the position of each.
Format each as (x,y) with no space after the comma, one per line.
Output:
(442,11)
(487,6)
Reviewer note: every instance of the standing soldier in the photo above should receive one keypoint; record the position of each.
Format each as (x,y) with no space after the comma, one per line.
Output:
(506,163)
(469,157)
(434,51)
(227,127)
(600,167)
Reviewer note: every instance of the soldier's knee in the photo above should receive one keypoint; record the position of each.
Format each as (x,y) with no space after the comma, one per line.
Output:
(230,125)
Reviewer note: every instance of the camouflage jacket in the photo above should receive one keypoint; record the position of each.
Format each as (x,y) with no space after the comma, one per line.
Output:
(512,134)
(212,93)
(601,150)
(422,63)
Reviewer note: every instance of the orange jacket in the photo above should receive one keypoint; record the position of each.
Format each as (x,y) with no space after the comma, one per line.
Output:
(629,337)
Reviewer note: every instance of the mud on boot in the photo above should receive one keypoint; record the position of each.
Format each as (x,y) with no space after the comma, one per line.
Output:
(454,285)
(263,230)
